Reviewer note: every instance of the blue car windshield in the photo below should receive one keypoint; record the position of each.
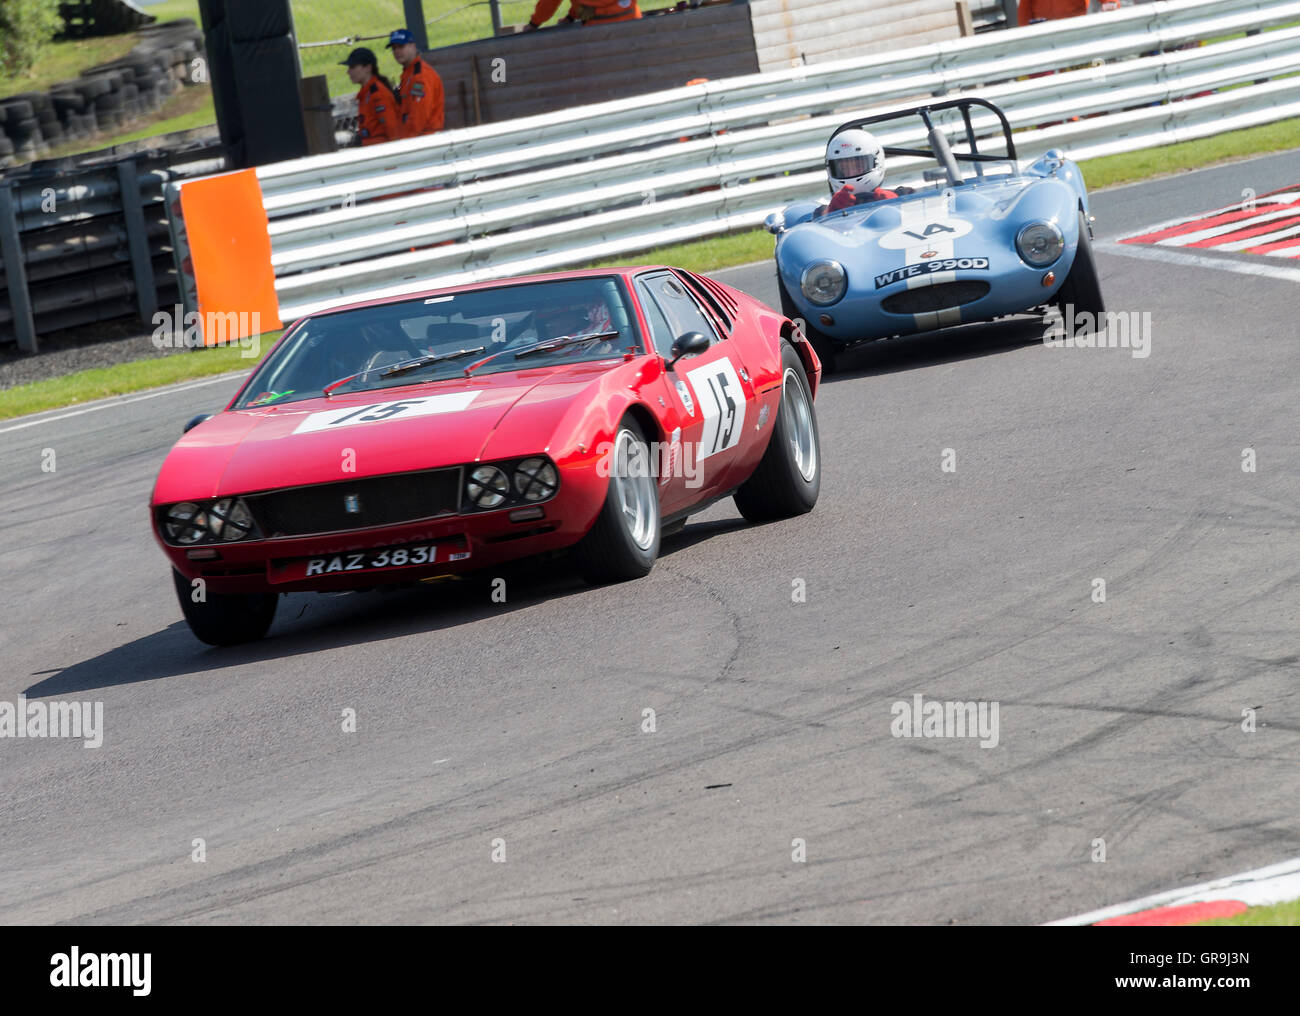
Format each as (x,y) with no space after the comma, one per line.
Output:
(449,333)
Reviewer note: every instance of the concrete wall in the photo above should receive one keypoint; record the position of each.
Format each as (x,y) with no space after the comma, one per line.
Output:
(788,32)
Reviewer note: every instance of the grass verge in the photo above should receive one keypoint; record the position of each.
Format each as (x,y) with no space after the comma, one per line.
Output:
(1280,914)
(121,378)
(66,59)
(1131,167)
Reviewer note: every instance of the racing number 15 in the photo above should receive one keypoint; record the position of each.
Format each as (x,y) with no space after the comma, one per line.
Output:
(718,384)
(382,411)
(721,403)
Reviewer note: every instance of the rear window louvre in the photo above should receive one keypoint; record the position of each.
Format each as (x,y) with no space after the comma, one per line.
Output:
(710,298)
(727,300)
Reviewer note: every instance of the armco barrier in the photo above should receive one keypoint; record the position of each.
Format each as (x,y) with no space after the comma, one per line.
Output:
(90,244)
(544,192)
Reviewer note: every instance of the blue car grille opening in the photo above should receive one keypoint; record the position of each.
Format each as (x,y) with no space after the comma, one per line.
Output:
(943,296)
(357,504)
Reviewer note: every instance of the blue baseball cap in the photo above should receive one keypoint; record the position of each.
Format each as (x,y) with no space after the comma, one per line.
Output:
(400,37)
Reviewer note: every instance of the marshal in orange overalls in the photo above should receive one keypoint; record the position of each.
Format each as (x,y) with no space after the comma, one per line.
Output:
(589,13)
(1051,9)
(378,116)
(422,99)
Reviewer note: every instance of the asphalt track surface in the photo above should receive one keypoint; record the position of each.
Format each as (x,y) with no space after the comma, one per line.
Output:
(1119,721)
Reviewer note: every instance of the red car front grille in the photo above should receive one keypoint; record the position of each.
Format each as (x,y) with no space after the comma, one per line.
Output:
(357,504)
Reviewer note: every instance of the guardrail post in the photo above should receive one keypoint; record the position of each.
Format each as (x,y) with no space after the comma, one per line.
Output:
(11,246)
(495,7)
(137,239)
(414,11)
(964,23)
(1011,11)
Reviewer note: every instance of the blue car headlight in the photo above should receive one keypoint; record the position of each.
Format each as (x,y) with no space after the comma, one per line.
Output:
(823,282)
(1040,243)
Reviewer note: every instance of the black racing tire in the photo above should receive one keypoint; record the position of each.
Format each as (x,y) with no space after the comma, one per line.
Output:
(225,619)
(93,88)
(789,476)
(1082,287)
(168,27)
(37,100)
(18,109)
(823,345)
(624,541)
(24,132)
(66,103)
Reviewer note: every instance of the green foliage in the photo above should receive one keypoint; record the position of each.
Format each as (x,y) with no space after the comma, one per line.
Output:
(25,28)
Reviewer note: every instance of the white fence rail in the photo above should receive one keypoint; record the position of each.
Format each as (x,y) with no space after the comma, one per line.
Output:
(544,192)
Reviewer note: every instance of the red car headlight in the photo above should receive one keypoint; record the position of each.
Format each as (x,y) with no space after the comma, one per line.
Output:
(536,479)
(488,487)
(189,523)
(494,485)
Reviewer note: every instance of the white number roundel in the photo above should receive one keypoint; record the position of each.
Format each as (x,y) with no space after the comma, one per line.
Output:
(939,230)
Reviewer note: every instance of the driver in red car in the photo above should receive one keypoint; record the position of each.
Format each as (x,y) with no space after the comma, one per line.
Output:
(587,319)
(855,166)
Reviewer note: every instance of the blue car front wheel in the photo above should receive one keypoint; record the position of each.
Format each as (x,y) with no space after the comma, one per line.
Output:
(1082,288)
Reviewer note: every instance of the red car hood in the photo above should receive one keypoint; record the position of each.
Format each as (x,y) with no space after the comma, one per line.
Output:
(321,440)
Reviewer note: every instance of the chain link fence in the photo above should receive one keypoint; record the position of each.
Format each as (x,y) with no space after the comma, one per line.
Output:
(328,30)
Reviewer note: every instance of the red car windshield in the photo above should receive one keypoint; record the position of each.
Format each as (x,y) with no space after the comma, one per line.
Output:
(363,346)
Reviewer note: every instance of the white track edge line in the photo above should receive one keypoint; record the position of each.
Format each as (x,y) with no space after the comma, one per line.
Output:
(1221,888)
(1180,257)
(123,400)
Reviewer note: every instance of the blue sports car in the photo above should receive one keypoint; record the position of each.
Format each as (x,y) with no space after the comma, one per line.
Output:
(977,237)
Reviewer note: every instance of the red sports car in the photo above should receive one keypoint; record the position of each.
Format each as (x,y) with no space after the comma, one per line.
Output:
(409,438)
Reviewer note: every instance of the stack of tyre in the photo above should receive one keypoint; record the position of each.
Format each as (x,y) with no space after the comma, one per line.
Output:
(25,118)
(106,96)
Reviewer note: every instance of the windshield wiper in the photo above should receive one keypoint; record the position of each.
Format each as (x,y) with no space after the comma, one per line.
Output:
(543,346)
(404,367)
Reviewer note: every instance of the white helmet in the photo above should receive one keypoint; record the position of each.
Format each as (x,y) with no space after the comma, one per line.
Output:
(855,156)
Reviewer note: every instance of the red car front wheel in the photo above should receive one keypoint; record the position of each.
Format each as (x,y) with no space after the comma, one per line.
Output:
(624,541)
(224,619)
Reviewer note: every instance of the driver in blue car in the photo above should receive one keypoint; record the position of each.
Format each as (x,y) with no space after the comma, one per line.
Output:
(855,166)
